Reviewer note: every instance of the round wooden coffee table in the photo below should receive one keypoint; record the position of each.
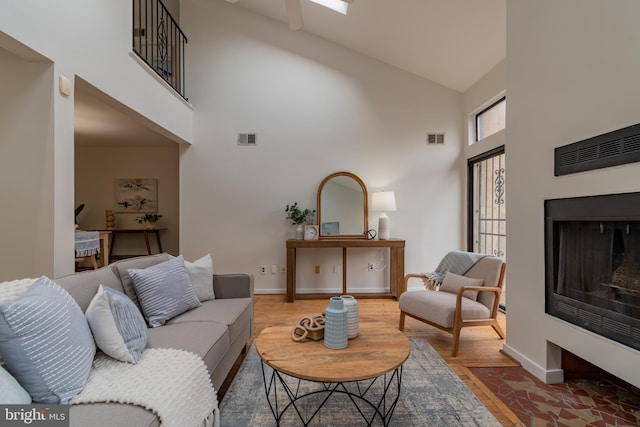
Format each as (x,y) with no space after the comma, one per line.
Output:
(374,357)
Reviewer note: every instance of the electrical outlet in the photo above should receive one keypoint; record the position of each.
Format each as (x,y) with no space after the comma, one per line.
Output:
(336,268)
(274,269)
(263,269)
(370,266)
(317,269)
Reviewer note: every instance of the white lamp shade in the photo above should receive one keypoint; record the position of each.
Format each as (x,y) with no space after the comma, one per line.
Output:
(383,201)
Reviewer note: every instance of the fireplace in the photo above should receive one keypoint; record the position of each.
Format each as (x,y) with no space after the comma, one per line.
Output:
(592,264)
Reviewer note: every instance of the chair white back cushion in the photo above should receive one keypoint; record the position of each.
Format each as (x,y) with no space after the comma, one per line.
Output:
(453,282)
(487,269)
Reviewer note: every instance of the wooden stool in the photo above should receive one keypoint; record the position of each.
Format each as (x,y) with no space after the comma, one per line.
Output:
(87,258)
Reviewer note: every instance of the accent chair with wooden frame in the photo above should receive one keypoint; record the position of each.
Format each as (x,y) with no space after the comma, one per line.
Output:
(451,312)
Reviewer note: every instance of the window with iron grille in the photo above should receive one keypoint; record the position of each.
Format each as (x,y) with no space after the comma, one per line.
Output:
(487,214)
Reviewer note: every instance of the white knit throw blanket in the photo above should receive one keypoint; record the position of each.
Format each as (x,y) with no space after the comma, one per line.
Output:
(173,384)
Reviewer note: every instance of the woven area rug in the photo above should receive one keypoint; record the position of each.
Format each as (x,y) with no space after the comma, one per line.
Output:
(431,395)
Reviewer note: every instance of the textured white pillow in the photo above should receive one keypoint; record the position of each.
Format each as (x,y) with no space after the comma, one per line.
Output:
(11,291)
(117,325)
(452,282)
(201,275)
(164,291)
(11,392)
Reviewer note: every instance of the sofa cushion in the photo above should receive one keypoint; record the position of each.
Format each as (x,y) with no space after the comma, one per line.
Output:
(439,307)
(111,415)
(121,267)
(201,274)
(453,282)
(235,313)
(84,285)
(11,392)
(117,325)
(209,340)
(46,343)
(164,291)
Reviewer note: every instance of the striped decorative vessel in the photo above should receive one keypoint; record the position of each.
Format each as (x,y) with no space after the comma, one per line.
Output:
(335,327)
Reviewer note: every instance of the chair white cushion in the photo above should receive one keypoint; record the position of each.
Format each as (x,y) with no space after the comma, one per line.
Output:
(440,307)
(453,282)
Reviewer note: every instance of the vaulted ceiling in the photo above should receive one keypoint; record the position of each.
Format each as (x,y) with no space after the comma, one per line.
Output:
(451,42)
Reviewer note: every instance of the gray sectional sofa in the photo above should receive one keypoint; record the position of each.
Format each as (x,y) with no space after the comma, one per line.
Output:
(217,331)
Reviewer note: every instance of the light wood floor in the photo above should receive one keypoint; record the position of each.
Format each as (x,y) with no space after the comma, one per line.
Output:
(479,347)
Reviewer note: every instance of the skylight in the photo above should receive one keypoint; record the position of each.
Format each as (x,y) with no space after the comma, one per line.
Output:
(337,5)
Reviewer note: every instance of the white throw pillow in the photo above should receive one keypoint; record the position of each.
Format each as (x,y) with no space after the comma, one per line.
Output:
(117,325)
(452,282)
(201,275)
(11,392)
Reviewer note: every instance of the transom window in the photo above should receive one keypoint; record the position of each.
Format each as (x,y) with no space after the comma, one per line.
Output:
(491,120)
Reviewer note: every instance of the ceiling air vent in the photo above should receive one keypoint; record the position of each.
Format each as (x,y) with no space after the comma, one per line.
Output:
(247,139)
(435,138)
(610,149)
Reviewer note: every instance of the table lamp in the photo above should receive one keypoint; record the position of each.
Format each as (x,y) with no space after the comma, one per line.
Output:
(383,201)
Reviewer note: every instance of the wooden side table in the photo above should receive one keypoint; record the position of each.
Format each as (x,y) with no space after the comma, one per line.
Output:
(396,263)
(144,231)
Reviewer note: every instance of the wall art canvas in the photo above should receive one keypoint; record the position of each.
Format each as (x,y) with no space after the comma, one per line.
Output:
(135,195)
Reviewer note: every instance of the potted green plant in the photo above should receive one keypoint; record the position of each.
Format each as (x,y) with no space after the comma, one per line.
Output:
(299,218)
(149,219)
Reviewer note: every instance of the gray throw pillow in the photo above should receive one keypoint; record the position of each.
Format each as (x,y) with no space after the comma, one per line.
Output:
(117,325)
(164,291)
(452,282)
(46,343)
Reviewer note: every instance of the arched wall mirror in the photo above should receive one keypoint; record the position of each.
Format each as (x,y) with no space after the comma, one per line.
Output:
(342,206)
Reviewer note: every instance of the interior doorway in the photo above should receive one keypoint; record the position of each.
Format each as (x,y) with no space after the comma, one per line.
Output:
(487,214)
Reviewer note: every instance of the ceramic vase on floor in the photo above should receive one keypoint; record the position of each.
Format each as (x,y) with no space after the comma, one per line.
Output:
(335,327)
(353,316)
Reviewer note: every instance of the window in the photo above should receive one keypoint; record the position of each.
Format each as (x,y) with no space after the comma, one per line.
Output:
(487,214)
(491,119)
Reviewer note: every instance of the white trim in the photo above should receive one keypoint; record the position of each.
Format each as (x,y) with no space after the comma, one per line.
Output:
(548,376)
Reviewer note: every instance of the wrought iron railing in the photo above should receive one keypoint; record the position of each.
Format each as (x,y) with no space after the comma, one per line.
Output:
(159,41)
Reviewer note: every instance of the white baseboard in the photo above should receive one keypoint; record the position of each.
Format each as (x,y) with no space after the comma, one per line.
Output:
(548,376)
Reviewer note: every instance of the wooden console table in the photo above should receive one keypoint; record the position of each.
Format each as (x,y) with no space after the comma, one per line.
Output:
(396,263)
(146,231)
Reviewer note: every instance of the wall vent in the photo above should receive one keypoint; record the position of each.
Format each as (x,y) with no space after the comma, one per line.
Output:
(435,138)
(610,149)
(247,139)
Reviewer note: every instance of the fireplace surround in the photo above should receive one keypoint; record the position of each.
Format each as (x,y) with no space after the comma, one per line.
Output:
(592,264)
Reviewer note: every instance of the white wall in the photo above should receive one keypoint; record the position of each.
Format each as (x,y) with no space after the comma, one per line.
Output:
(96,169)
(26,174)
(91,39)
(317,108)
(572,73)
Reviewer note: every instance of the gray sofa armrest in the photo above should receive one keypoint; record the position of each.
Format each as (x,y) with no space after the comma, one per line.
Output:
(233,285)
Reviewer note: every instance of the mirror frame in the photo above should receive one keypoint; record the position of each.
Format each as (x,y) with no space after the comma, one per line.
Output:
(365,213)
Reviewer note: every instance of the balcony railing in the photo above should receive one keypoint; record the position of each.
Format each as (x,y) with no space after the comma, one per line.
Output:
(159,41)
